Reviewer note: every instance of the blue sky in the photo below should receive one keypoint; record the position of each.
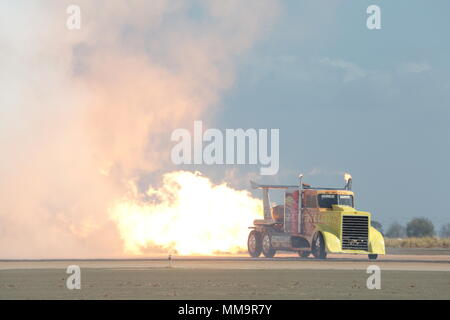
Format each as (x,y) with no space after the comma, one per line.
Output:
(375,103)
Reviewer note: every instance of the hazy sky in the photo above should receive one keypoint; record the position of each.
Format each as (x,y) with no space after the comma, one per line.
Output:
(374,103)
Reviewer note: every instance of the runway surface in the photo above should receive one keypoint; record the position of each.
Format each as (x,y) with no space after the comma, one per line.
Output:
(283,261)
(403,276)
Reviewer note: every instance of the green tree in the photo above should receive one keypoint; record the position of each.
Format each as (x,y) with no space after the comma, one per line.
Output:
(445,231)
(419,228)
(396,230)
(377,225)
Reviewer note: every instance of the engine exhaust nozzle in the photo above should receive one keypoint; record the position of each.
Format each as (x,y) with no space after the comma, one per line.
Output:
(348,180)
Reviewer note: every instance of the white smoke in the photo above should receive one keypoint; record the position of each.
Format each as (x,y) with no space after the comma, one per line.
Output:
(82,112)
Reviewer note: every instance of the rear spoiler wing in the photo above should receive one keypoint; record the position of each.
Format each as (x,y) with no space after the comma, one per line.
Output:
(270,186)
(255,185)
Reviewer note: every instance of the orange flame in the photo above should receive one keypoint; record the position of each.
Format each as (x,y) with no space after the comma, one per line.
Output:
(190,216)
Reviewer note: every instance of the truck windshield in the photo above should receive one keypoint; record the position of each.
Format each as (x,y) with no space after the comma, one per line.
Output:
(327,200)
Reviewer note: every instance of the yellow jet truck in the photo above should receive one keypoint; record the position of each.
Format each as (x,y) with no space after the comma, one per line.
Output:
(314,220)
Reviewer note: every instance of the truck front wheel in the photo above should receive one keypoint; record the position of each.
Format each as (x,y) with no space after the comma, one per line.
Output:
(267,248)
(318,247)
(254,244)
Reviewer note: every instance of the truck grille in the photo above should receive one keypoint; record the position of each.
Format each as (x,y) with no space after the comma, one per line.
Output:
(355,232)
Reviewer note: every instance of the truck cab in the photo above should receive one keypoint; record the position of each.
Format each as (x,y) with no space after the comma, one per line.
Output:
(314,220)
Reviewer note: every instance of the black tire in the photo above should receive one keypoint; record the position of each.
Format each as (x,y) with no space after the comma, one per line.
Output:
(373,256)
(304,254)
(254,244)
(318,247)
(267,249)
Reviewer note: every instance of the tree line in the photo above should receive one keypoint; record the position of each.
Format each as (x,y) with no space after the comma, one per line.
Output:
(417,228)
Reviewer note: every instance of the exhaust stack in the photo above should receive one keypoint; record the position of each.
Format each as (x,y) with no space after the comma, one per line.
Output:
(300,202)
(348,180)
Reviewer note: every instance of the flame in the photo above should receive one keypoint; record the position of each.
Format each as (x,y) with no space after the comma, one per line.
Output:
(188,215)
(347,176)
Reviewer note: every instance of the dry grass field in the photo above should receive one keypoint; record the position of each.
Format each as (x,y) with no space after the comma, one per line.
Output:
(428,242)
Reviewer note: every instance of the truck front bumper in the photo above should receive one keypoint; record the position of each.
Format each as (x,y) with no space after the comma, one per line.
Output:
(375,243)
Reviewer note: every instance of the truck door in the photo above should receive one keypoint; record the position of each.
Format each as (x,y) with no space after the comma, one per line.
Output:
(291,212)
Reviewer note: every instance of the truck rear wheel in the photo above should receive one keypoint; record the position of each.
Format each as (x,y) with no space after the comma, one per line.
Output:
(267,249)
(318,247)
(254,244)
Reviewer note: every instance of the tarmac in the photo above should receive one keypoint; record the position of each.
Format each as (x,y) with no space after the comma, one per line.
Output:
(405,275)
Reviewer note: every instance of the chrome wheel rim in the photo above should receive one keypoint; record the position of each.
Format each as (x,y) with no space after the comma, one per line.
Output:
(318,243)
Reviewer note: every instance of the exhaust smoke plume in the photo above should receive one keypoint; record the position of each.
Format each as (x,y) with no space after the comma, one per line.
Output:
(85,112)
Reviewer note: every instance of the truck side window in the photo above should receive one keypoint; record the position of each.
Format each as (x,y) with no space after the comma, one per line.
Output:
(346,200)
